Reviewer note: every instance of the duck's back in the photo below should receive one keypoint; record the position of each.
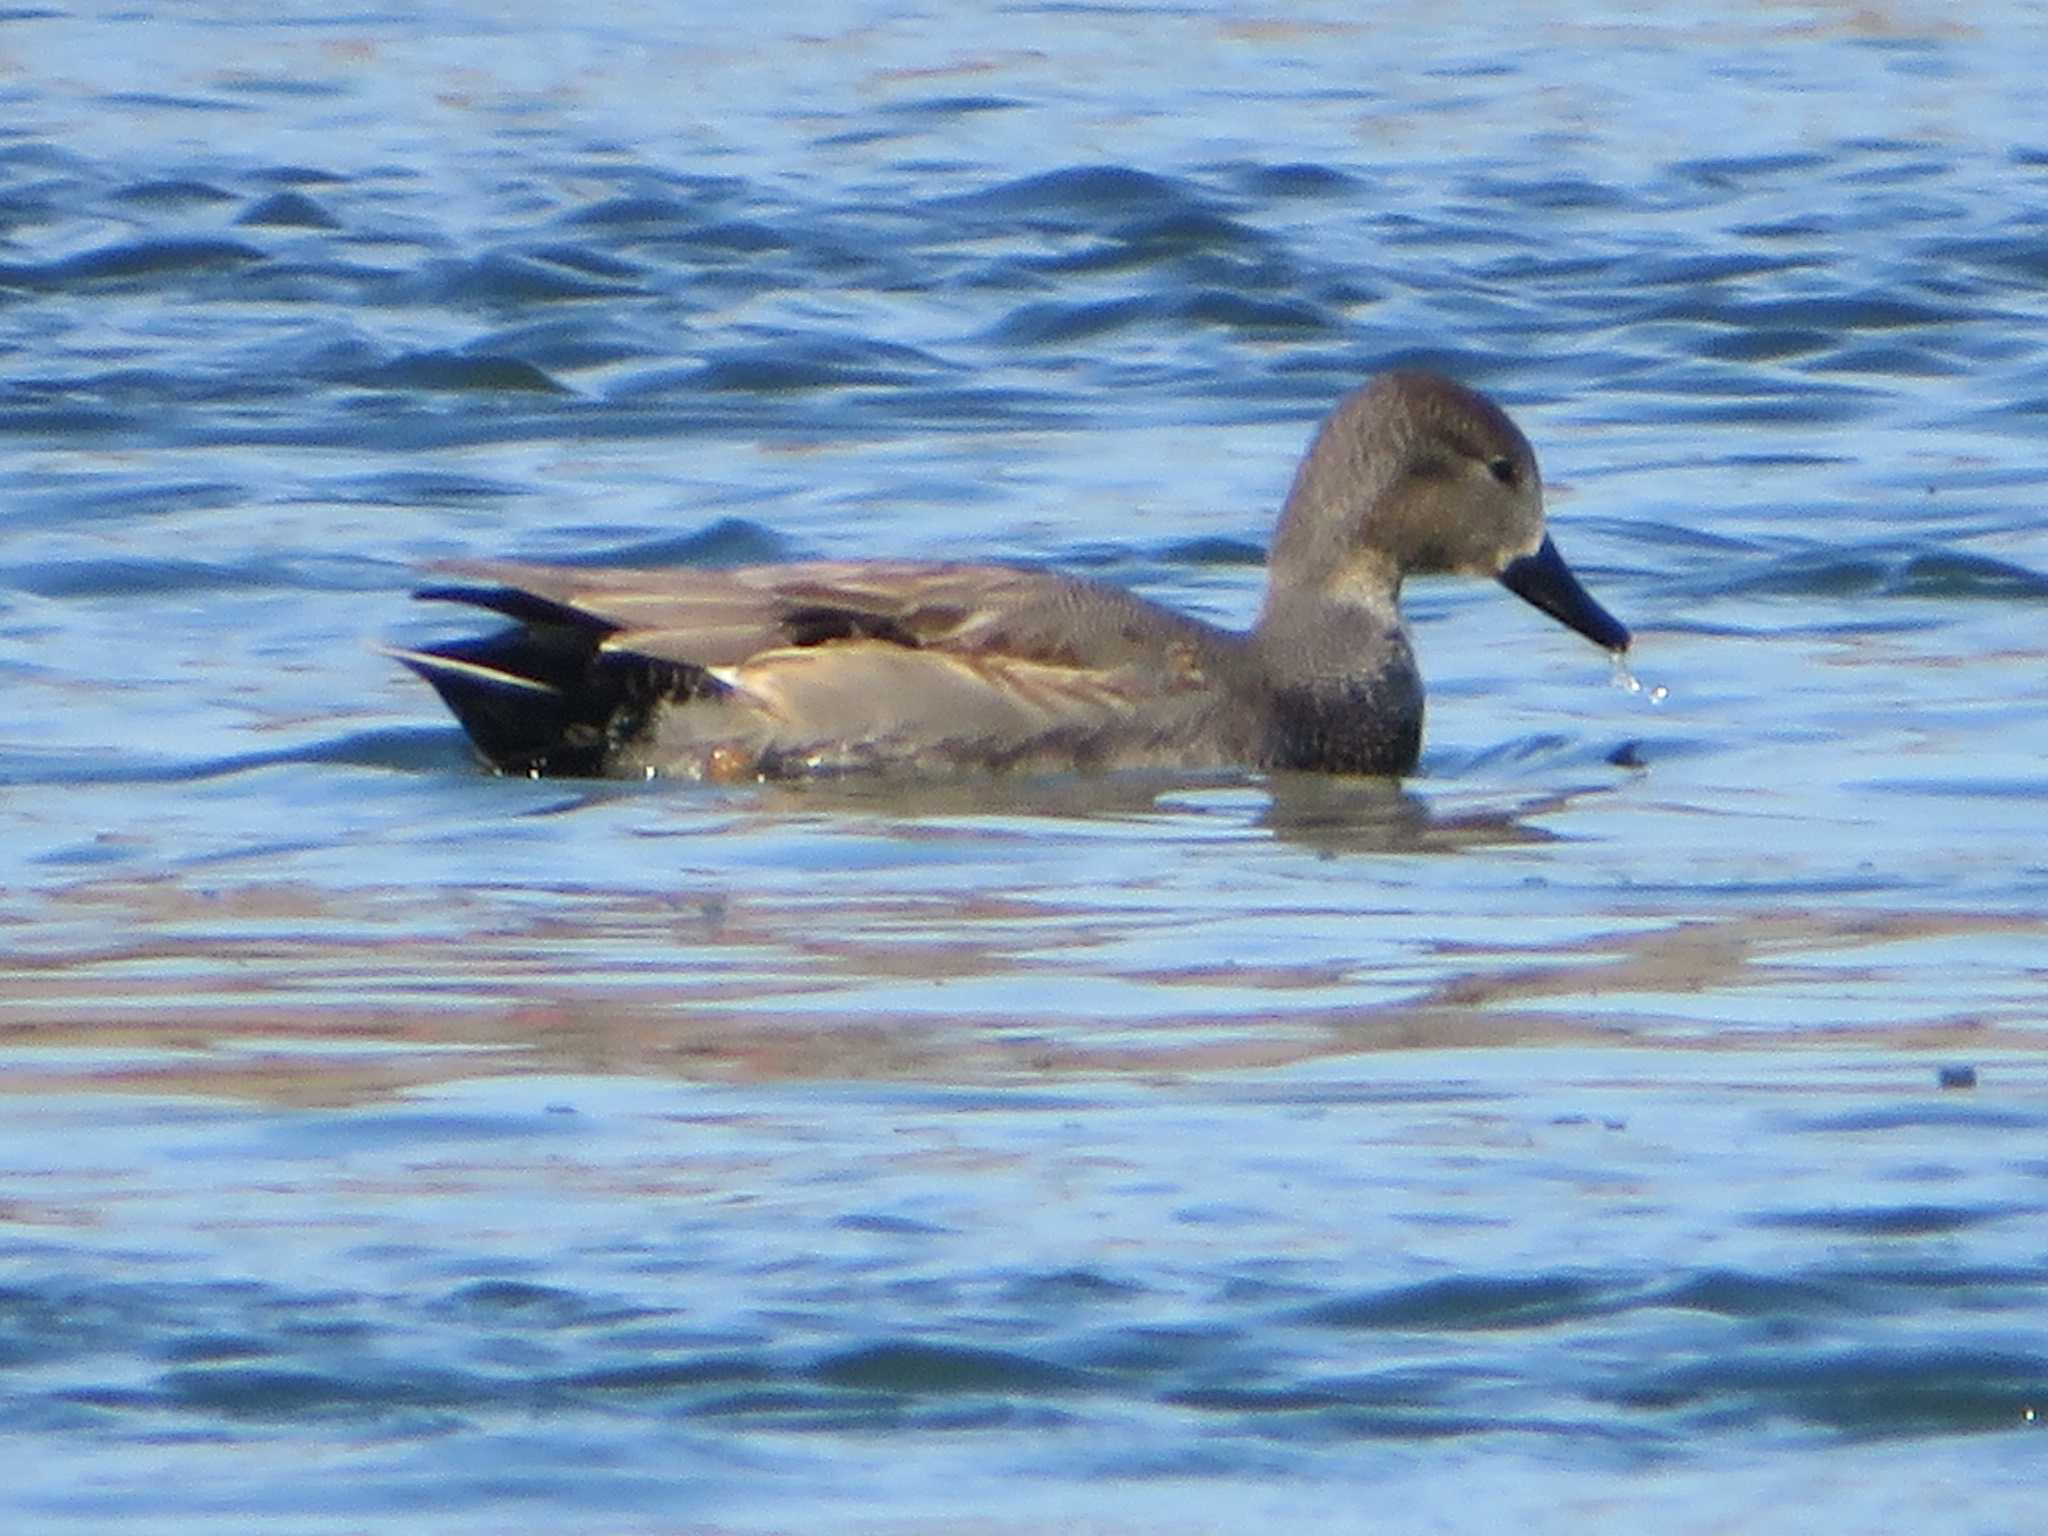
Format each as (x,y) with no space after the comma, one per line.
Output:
(773,671)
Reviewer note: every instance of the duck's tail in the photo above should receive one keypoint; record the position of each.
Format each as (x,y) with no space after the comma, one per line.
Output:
(546,696)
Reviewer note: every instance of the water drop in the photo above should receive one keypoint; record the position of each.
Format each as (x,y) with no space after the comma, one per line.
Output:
(1630,683)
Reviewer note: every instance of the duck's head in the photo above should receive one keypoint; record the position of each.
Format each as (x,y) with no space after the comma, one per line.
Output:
(1416,474)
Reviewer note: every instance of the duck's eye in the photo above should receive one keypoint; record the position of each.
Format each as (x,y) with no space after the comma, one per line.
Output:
(1504,471)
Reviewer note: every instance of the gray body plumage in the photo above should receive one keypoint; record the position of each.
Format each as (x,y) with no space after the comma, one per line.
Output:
(825,667)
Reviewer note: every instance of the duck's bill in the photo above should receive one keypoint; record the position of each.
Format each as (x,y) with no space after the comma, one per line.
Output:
(1544,581)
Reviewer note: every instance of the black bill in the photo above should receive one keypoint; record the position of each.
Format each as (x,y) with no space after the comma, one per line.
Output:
(1544,581)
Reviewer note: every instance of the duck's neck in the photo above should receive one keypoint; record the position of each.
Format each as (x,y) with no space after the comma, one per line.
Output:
(1344,693)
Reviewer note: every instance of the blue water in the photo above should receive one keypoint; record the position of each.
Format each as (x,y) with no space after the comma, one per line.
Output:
(1557,1140)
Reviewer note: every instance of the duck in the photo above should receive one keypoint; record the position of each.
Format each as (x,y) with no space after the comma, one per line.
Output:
(815,668)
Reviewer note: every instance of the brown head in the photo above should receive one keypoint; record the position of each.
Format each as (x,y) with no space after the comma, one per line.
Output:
(1416,474)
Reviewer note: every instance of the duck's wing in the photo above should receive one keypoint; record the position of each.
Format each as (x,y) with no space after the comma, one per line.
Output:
(807,667)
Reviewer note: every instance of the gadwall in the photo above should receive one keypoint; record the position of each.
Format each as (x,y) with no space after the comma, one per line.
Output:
(783,671)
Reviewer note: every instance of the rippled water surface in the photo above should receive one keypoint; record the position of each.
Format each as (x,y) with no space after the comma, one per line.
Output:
(1637,1119)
